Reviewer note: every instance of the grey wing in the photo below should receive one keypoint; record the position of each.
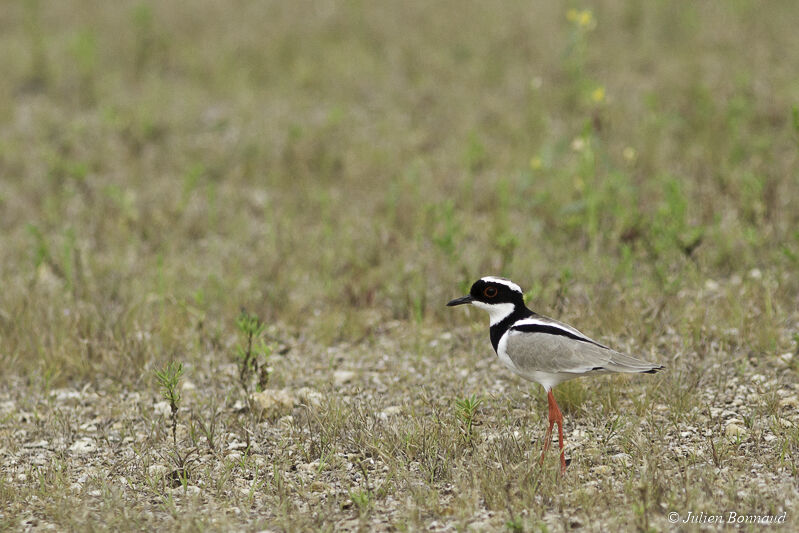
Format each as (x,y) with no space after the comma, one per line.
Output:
(556,353)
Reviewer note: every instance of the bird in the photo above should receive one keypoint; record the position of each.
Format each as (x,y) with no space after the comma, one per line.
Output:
(542,349)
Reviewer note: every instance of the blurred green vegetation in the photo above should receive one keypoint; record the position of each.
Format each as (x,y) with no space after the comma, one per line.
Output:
(334,165)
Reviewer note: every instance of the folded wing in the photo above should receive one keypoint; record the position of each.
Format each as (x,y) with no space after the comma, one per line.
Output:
(541,344)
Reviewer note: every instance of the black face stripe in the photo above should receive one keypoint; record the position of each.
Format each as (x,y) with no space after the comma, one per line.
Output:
(553,330)
(493,293)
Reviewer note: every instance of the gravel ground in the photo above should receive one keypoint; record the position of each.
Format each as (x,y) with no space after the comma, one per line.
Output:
(328,446)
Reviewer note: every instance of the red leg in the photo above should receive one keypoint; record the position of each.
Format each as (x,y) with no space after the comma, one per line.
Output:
(555,417)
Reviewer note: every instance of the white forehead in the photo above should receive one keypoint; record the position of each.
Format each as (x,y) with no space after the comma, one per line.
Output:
(502,281)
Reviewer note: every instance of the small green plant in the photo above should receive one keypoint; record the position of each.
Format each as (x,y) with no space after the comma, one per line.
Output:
(362,500)
(515,525)
(253,355)
(169,379)
(208,428)
(466,408)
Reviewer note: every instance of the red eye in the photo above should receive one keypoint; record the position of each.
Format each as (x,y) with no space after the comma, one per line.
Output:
(490,292)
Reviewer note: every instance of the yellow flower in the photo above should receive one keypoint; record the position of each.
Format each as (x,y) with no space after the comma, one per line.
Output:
(629,154)
(536,163)
(586,19)
(582,18)
(598,95)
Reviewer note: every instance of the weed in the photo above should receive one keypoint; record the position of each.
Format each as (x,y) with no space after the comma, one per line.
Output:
(252,357)
(169,380)
(362,500)
(465,410)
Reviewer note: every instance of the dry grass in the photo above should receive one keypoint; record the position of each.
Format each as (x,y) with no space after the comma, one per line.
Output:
(342,170)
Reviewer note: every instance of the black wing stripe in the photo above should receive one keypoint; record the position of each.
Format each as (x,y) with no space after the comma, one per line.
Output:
(553,330)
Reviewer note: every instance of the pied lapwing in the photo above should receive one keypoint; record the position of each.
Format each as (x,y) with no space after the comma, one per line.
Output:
(542,349)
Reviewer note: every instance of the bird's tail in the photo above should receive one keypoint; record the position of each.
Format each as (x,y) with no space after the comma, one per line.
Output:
(620,362)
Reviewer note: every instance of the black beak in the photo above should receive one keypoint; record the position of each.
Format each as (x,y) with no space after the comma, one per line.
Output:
(460,301)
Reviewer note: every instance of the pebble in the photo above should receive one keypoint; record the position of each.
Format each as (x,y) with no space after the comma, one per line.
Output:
(62,395)
(622,458)
(162,409)
(190,490)
(341,377)
(273,400)
(734,430)
(785,360)
(83,446)
(157,471)
(790,401)
(391,410)
(310,396)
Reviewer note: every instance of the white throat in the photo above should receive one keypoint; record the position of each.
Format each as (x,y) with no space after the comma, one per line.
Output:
(496,312)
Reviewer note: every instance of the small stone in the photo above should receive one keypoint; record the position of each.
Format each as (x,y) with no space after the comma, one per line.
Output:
(83,446)
(602,470)
(622,458)
(785,360)
(340,377)
(733,430)
(62,395)
(575,522)
(272,401)
(391,410)
(157,471)
(190,490)
(310,396)
(790,402)
(162,409)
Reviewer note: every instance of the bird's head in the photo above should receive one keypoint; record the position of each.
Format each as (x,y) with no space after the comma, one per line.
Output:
(499,296)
